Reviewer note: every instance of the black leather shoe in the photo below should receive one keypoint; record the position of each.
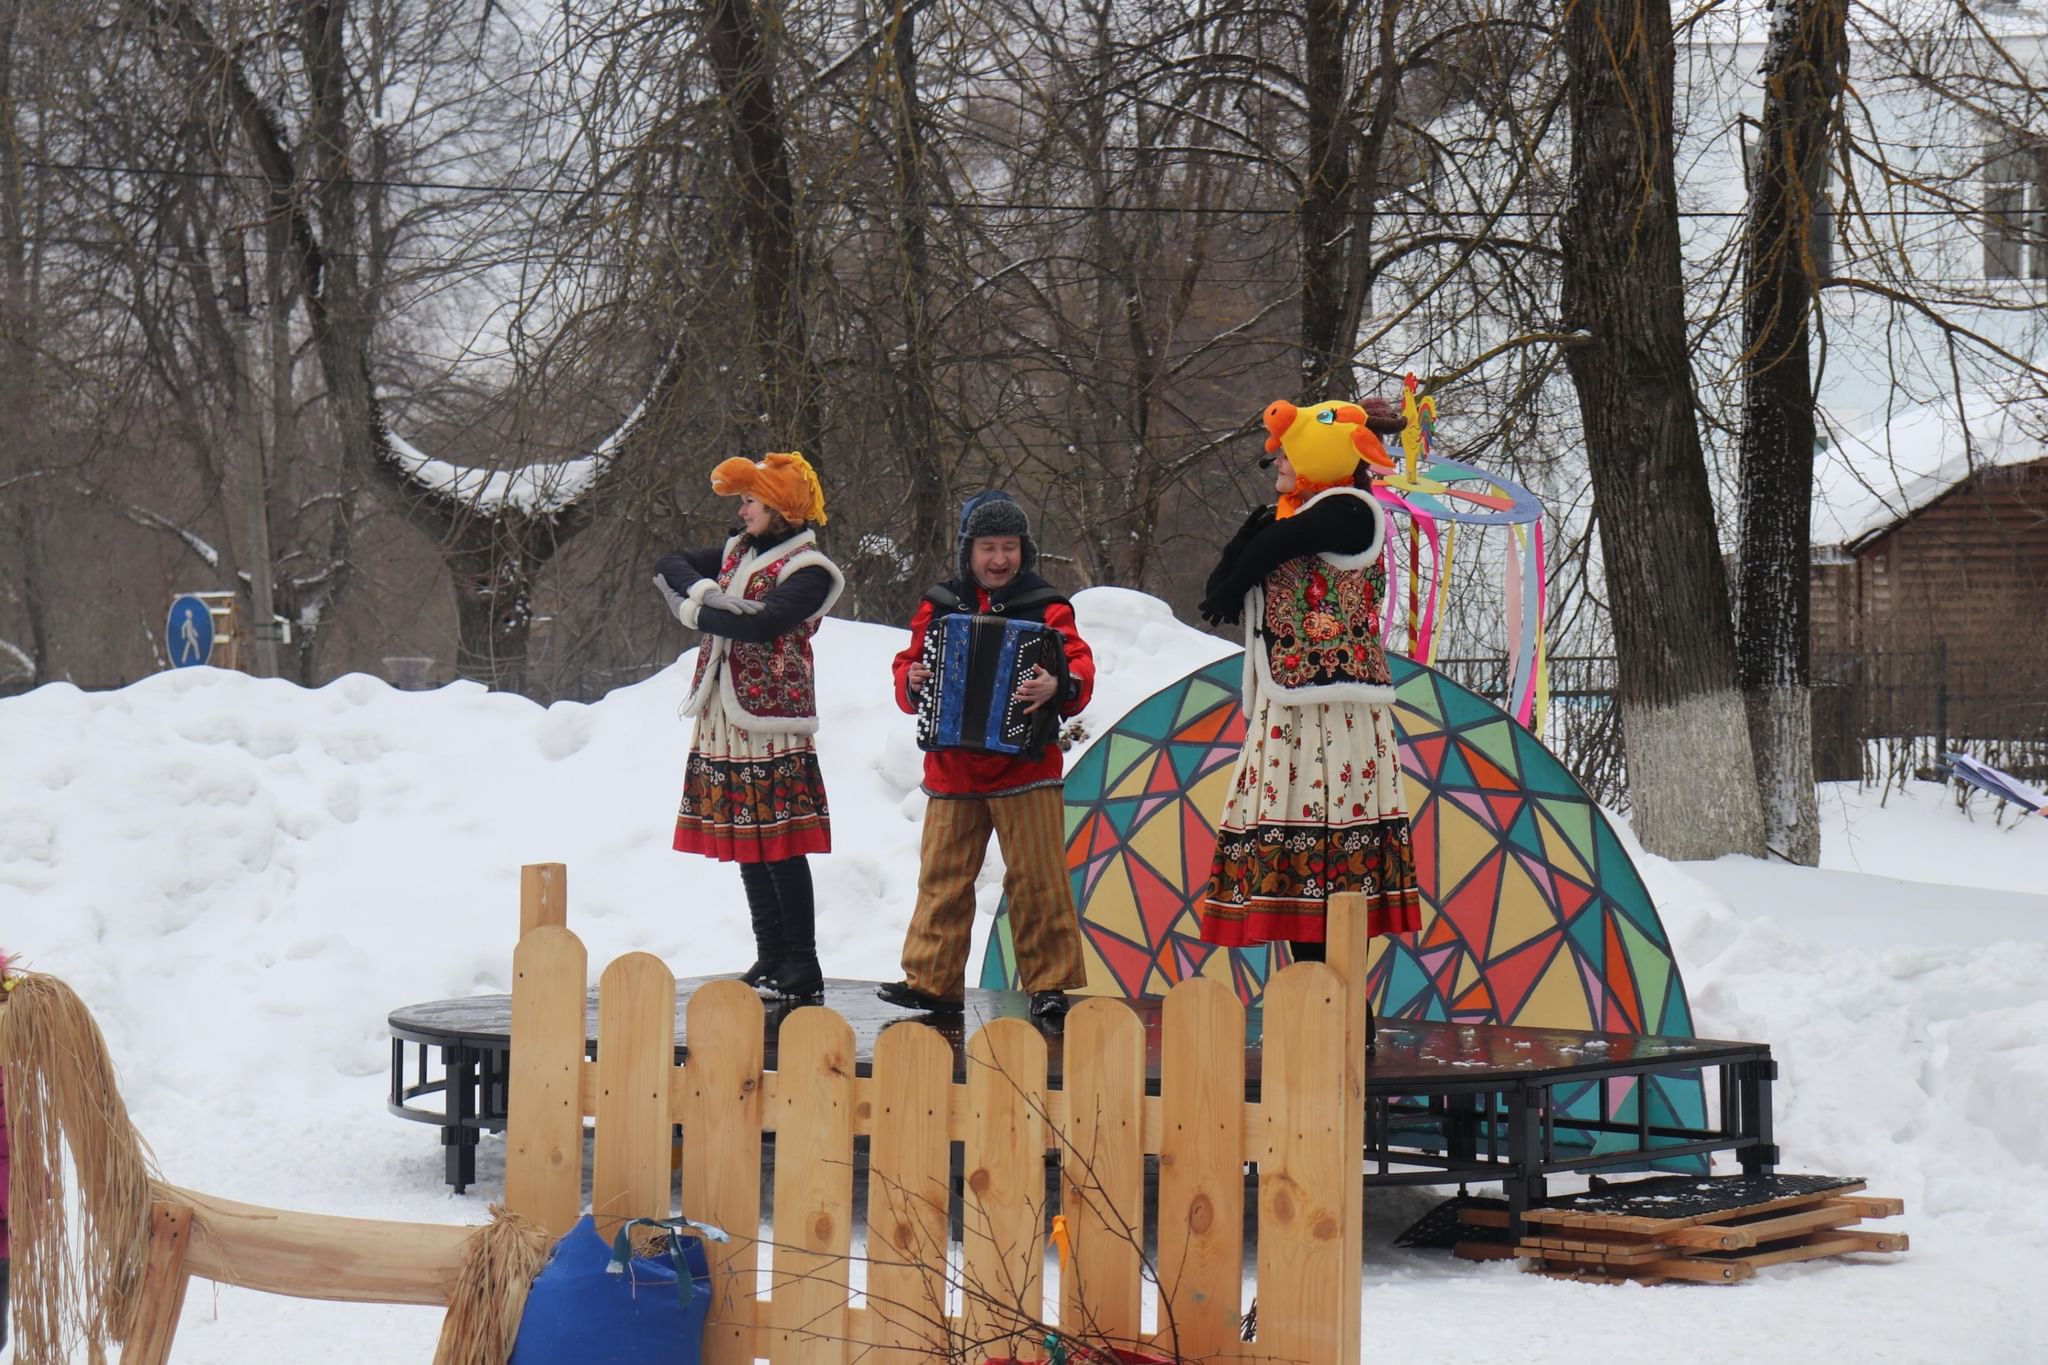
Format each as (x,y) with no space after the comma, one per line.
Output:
(906,996)
(1049,1004)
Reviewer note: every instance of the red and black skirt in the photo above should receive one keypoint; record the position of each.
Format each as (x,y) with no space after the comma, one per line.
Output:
(750,797)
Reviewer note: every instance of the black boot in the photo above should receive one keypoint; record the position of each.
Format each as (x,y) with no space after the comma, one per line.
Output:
(796,974)
(766,914)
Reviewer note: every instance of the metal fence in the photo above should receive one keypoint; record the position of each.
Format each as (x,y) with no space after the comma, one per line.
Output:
(1581,725)
(1878,719)
(1889,718)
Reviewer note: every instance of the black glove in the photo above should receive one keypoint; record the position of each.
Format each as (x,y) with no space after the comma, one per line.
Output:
(1222,610)
(1223,602)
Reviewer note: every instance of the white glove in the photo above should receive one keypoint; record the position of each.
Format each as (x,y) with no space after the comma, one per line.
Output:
(671,596)
(720,600)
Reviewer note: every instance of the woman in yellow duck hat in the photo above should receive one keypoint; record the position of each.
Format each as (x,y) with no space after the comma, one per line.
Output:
(1317,804)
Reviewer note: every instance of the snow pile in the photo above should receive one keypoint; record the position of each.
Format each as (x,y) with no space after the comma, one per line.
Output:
(243,878)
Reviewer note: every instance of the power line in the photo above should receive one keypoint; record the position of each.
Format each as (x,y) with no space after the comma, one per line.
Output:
(989,205)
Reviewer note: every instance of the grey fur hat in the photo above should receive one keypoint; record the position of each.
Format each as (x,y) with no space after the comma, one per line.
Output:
(993,512)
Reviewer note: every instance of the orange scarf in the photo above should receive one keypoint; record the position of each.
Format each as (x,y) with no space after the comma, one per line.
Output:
(1290,503)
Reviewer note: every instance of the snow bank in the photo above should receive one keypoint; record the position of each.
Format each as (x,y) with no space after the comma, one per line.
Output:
(244,878)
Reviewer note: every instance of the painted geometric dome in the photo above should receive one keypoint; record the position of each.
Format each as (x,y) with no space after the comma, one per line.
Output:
(1533,913)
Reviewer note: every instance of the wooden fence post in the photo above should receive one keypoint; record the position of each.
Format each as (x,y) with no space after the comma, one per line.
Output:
(544,1109)
(813,1189)
(722,1112)
(1003,1203)
(636,1052)
(1308,1176)
(1201,1168)
(1102,1173)
(543,896)
(1348,947)
(908,1173)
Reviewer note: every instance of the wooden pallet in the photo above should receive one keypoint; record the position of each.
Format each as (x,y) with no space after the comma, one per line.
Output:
(1719,1246)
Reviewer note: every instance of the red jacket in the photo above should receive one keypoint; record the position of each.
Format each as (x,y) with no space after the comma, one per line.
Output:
(966,772)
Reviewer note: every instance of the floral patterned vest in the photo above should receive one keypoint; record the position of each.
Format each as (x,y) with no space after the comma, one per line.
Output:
(1314,632)
(767,685)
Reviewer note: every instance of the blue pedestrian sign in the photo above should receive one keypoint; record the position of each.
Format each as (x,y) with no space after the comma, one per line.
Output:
(188,634)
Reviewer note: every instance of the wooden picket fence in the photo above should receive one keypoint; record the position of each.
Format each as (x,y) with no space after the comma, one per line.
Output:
(928,1297)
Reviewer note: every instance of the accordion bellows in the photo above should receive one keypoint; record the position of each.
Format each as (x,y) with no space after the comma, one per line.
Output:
(970,700)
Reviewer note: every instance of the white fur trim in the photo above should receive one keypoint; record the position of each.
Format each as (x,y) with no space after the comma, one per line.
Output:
(714,668)
(812,559)
(701,589)
(716,674)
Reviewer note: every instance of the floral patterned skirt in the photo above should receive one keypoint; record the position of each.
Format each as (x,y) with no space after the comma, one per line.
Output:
(1316,806)
(750,797)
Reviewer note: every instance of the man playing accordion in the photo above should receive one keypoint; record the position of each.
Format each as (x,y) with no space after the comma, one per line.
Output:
(975,792)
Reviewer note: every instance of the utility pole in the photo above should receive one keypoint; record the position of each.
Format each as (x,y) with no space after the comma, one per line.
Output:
(255,483)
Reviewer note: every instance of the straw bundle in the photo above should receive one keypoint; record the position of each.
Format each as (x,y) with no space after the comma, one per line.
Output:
(499,1263)
(75,1290)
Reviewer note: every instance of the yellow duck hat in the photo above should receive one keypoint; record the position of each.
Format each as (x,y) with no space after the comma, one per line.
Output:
(782,480)
(1325,442)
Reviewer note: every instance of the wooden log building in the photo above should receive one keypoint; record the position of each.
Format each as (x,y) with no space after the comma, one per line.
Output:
(1930,608)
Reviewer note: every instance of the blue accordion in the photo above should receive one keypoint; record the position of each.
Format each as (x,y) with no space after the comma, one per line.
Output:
(970,702)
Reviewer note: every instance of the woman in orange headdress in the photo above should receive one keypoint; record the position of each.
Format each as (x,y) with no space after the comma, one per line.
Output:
(1316,805)
(753,793)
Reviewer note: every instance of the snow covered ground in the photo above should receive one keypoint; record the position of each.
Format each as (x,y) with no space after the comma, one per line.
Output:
(243,878)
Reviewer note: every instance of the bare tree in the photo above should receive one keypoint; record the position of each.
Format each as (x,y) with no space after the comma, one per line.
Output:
(1805,66)
(1691,781)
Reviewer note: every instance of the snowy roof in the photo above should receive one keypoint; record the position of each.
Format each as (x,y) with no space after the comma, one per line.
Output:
(535,489)
(1722,23)
(1868,482)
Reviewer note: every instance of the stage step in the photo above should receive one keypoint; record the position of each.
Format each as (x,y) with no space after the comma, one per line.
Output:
(1708,1230)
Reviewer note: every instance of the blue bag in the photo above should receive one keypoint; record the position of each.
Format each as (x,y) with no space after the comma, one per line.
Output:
(595,1305)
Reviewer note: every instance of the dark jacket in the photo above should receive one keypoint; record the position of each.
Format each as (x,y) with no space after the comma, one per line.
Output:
(795,601)
(1334,525)
(963,772)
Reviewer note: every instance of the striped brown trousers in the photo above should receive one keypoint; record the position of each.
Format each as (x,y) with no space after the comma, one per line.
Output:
(1043,921)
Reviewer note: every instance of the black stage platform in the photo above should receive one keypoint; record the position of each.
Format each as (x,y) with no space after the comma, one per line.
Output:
(1445,1103)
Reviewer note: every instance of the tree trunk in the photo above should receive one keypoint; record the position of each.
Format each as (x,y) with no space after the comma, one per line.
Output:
(914,420)
(493,605)
(1805,64)
(1325,200)
(1687,740)
(740,60)
(19,475)
(1340,188)
(493,554)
